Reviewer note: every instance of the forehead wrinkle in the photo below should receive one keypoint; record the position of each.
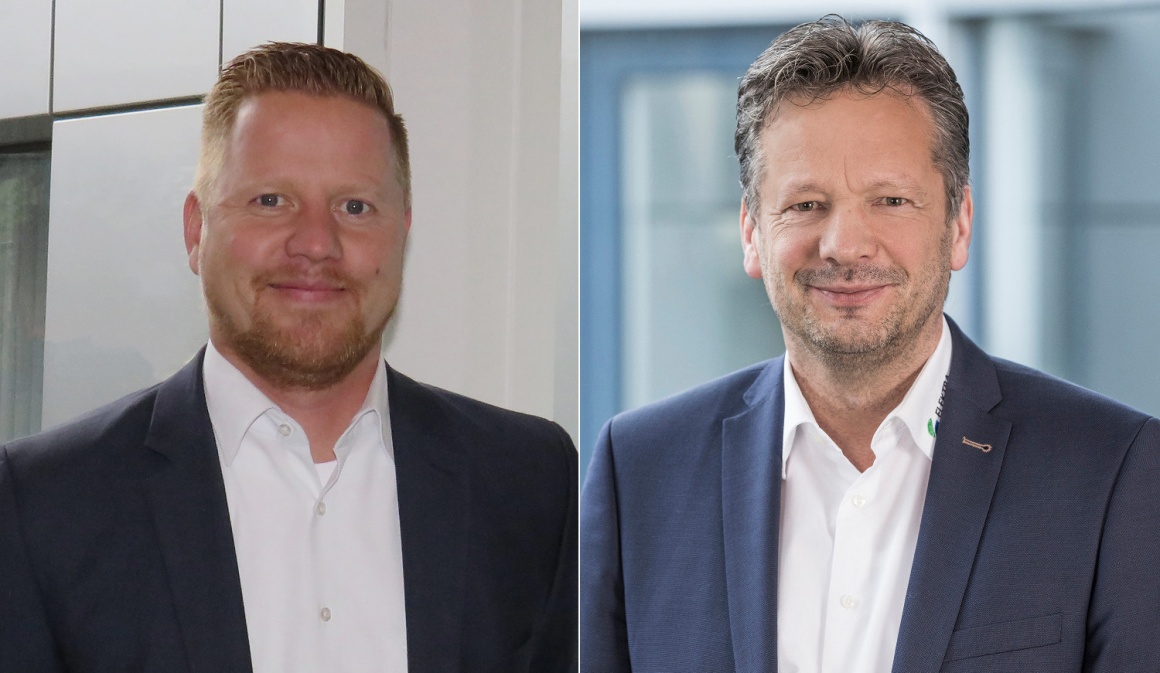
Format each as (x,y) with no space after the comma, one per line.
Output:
(893,175)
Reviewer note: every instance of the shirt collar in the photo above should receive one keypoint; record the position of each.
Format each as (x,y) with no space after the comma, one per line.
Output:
(919,409)
(234,402)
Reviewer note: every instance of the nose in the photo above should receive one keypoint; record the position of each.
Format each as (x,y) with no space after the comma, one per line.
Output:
(848,237)
(314,235)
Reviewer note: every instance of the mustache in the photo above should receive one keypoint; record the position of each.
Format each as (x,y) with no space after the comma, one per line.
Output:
(852,274)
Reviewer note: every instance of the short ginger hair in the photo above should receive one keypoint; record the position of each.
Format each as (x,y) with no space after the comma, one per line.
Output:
(294,67)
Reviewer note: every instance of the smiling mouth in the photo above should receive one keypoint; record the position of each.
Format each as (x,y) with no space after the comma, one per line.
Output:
(849,295)
(307,291)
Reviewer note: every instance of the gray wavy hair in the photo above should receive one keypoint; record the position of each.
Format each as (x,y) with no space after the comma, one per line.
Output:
(816,60)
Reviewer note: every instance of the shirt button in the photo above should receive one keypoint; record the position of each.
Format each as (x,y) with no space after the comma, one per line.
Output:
(320,508)
(858,500)
(848,602)
(284,430)
(324,614)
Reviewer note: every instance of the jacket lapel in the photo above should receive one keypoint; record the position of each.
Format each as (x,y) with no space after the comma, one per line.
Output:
(192,521)
(750,508)
(967,458)
(433,519)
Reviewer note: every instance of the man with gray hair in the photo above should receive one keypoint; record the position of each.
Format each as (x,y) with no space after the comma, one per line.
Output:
(287,501)
(885,496)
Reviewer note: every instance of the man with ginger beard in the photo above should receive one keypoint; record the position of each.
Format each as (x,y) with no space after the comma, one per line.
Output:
(885,496)
(287,501)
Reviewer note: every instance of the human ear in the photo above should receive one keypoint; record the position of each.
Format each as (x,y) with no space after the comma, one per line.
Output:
(192,219)
(750,242)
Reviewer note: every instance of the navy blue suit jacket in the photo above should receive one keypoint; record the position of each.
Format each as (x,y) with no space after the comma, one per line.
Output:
(116,552)
(1036,556)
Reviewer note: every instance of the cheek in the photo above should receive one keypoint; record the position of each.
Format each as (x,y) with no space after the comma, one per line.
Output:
(214,258)
(919,252)
(250,250)
(225,251)
(790,251)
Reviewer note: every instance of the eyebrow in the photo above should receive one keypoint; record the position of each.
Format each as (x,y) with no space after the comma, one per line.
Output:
(794,188)
(902,185)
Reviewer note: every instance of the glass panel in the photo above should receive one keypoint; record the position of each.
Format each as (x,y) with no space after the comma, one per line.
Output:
(1068,197)
(23,263)
(123,311)
(690,312)
(1111,290)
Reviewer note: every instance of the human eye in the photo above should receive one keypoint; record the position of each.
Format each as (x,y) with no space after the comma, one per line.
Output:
(805,206)
(356,207)
(894,201)
(270,200)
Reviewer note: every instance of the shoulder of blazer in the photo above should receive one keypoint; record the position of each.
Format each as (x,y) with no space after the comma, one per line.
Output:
(83,444)
(702,408)
(438,413)
(1071,418)
(1038,404)
(110,437)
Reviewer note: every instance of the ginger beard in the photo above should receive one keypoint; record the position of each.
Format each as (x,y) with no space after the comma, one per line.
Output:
(852,341)
(309,350)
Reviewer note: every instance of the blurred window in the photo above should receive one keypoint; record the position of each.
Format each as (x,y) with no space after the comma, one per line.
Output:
(1064,171)
(1067,192)
(24,177)
(665,303)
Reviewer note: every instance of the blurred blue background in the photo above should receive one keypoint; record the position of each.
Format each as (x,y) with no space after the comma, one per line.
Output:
(1064,99)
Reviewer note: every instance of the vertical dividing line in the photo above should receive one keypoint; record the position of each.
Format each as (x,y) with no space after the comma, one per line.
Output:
(321,23)
(221,33)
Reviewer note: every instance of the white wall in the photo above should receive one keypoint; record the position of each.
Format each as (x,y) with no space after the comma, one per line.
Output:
(116,52)
(26,51)
(489,302)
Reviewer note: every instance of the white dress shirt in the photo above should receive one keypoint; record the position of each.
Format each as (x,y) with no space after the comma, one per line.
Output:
(318,547)
(848,537)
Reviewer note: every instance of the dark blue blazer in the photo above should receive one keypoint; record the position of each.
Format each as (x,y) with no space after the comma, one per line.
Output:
(116,552)
(1035,555)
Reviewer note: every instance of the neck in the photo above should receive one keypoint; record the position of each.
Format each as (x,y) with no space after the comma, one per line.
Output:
(850,396)
(324,414)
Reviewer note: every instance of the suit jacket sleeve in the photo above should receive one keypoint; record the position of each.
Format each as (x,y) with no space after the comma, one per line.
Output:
(26,642)
(603,627)
(1123,626)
